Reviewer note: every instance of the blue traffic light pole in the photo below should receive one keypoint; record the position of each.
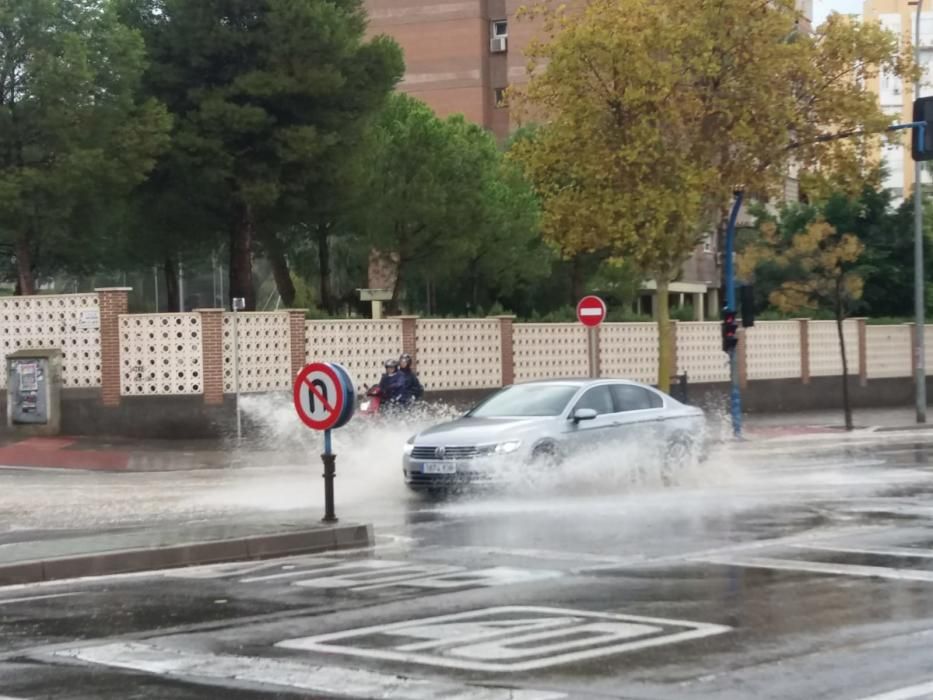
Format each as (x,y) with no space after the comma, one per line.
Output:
(735,395)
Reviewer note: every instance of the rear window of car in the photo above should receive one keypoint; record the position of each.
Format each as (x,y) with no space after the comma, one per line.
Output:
(628,397)
(526,400)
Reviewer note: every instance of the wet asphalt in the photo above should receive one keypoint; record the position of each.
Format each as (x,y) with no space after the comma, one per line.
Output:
(798,568)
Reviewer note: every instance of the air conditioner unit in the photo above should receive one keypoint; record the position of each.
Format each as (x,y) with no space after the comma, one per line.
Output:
(499,44)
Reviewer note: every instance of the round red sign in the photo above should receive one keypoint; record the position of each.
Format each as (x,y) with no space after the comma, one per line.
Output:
(319,396)
(591,311)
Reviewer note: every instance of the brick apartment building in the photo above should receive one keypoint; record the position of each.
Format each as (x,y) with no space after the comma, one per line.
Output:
(461,55)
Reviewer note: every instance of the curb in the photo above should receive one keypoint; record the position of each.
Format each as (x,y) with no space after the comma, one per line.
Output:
(903,428)
(190,554)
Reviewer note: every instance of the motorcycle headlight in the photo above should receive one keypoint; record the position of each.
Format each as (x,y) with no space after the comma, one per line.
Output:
(504,448)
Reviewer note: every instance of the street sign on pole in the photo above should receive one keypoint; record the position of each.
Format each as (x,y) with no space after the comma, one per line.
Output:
(591,311)
(325,399)
(319,396)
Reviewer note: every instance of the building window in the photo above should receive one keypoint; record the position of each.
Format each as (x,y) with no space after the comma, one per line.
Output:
(501,98)
(499,41)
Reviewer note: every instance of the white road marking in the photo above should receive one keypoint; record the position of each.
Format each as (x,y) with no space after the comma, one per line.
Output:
(817,567)
(9,601)
(328,566)
(643,561)
(886,552)
(497,576)
(499,640)
(907,693)
(400,575)
(288,673)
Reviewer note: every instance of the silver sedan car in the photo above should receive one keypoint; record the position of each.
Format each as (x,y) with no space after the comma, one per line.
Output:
(543,423)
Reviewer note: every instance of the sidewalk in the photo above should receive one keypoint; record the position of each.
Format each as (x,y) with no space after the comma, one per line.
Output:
(128,455)
(35,556)
(874,419)
(83,453)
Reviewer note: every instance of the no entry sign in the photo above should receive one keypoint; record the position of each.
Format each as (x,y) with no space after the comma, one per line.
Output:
(323,396)
(591,311)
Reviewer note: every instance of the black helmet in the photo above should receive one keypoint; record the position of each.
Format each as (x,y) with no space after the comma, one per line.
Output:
(391,364)
(405,359)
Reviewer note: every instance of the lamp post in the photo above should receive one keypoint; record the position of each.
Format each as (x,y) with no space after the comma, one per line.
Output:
(919,310)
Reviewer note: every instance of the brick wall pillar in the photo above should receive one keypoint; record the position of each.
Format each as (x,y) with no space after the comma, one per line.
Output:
(804,350)
(410,337)
(862,352)
(112,302)
(507,345)
(212,353)
(299,350)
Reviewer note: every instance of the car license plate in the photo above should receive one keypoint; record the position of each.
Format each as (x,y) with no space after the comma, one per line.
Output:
(439,468)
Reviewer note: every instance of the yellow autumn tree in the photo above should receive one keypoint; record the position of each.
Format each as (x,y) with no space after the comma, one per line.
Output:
(652,112)
(821,268)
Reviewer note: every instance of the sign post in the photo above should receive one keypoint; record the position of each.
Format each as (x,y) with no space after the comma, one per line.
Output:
(591,312)
(325,399)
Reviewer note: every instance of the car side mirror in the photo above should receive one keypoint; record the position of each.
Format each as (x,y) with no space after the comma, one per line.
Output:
(584,414)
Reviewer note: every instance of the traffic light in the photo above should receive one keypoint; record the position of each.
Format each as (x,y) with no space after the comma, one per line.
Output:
(729,331)
(923,112)
(747,295)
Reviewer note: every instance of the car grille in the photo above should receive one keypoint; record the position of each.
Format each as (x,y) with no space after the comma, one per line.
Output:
(422,452)
(419,479)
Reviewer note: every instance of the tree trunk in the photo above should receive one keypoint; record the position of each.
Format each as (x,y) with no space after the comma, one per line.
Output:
(170,271)
(846,406)
(241,257)
(25,280)
(326,301)
(283,279)
(577,281)
(394,303)
(665,351)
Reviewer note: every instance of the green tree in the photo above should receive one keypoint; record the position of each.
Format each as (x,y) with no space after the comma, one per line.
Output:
(440,198)
(654,112)
(74,137)
(266,95)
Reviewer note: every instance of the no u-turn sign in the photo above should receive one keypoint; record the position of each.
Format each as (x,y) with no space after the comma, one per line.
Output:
(324,396)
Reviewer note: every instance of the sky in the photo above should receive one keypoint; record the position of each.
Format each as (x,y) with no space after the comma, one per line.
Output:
(821,8)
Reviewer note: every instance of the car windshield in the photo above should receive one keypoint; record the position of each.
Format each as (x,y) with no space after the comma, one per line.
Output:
(526,400)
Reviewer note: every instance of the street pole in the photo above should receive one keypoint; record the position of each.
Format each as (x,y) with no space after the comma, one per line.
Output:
(330,472)
(735,395)
(155,281)
(919,302)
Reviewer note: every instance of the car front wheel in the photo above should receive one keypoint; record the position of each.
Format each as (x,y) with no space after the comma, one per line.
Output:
(677,457)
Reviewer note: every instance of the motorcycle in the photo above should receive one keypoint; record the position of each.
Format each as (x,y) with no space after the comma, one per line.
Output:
(372,401)
(373,404)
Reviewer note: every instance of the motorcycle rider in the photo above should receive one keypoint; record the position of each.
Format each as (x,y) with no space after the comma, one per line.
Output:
(412,390)
(392,384)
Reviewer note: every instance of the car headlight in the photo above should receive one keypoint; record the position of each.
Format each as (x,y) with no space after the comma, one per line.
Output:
(409,446)
(504,448)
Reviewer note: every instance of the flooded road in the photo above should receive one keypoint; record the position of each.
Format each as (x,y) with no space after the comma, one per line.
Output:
(797,567)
